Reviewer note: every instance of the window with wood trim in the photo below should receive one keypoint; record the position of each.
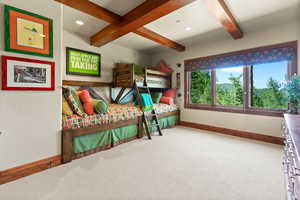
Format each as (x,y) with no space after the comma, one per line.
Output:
(249,81)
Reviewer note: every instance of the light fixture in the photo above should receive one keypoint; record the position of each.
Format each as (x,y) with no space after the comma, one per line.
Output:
(42,35)
(188,28)
(79,22)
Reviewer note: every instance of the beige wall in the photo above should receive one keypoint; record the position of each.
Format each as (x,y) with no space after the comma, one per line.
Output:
(253,123)
(110,54)
(30,122)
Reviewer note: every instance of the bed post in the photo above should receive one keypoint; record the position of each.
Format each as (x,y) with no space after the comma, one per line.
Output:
(178,118)
(67,146)
(140,127)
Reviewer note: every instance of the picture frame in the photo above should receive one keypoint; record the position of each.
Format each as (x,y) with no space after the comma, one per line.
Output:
(83,63)
(27,33)
(27,74)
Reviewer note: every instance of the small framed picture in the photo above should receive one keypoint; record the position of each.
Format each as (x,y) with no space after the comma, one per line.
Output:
(27,74)
(83,63)
(28,33)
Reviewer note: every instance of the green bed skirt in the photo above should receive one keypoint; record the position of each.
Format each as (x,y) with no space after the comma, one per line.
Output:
(109,137)
(164,123)
(103,138)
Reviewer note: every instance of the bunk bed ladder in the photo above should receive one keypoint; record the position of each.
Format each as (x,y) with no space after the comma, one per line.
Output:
(145,89)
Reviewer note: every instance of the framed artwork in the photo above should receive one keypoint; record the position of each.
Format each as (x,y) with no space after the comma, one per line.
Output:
(28,33)
(83,63)
(27,74)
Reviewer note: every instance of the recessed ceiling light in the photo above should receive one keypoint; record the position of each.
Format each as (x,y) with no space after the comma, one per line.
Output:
(79,22)
(188,28)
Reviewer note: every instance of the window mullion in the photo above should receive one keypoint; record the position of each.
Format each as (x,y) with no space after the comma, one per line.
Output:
(292,69)
(247,87)
(214,87)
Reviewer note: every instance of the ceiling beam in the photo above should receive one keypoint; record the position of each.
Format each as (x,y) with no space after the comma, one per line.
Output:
(159,39)
(99,12)
(145,13)
(223,14)
(92,9)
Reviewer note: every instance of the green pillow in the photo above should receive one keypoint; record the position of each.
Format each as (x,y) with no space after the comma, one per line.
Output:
(138,70)
(74,101)
(156,97)
(100,106)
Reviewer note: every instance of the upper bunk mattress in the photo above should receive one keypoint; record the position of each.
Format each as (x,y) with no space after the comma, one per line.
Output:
(116,113)
(152,81)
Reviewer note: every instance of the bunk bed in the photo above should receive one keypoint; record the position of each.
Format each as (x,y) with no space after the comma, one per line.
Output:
(82,136)
(124,75)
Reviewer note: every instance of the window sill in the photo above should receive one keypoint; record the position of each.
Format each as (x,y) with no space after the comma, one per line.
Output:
(232,109)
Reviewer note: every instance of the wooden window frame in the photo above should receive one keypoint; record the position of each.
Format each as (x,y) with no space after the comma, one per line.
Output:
(246,108)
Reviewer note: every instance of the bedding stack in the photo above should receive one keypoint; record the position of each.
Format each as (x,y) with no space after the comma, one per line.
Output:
(84,108)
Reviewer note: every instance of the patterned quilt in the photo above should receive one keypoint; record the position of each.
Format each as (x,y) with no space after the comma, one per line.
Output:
(116,112)
(163,108)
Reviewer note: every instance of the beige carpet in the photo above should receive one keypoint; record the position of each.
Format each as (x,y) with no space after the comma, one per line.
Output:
(184,164)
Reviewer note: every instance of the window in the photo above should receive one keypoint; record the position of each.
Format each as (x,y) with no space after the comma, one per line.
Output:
(201,87)
(254,86)
(267,85)
(230,86)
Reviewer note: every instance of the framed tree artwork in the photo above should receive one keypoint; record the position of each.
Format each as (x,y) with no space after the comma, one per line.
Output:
(27,74)
(28,33)
(83,63)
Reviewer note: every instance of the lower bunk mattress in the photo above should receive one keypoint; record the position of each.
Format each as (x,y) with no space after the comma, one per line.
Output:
(116,113)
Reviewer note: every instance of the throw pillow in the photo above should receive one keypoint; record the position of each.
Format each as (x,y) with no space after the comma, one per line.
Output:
(74,101)
(164,68)
(85,98)
(66,110)
(156,97)
(100,106)
(92,92)
(167,100)
(170,93)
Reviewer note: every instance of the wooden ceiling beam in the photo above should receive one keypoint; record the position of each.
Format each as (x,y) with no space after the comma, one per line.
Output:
(223,14)
(145,13)
(92,9)
(99,12)
(159,39)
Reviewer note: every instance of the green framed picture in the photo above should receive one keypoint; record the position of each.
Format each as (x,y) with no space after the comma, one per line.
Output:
(27,33)
(83,63)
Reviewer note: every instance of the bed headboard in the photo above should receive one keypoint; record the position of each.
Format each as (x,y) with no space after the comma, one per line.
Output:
(86,83)
(101,88)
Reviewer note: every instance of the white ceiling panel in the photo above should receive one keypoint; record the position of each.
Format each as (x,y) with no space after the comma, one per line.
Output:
(195,16)
(91,24)
(120,7)
(245,10)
